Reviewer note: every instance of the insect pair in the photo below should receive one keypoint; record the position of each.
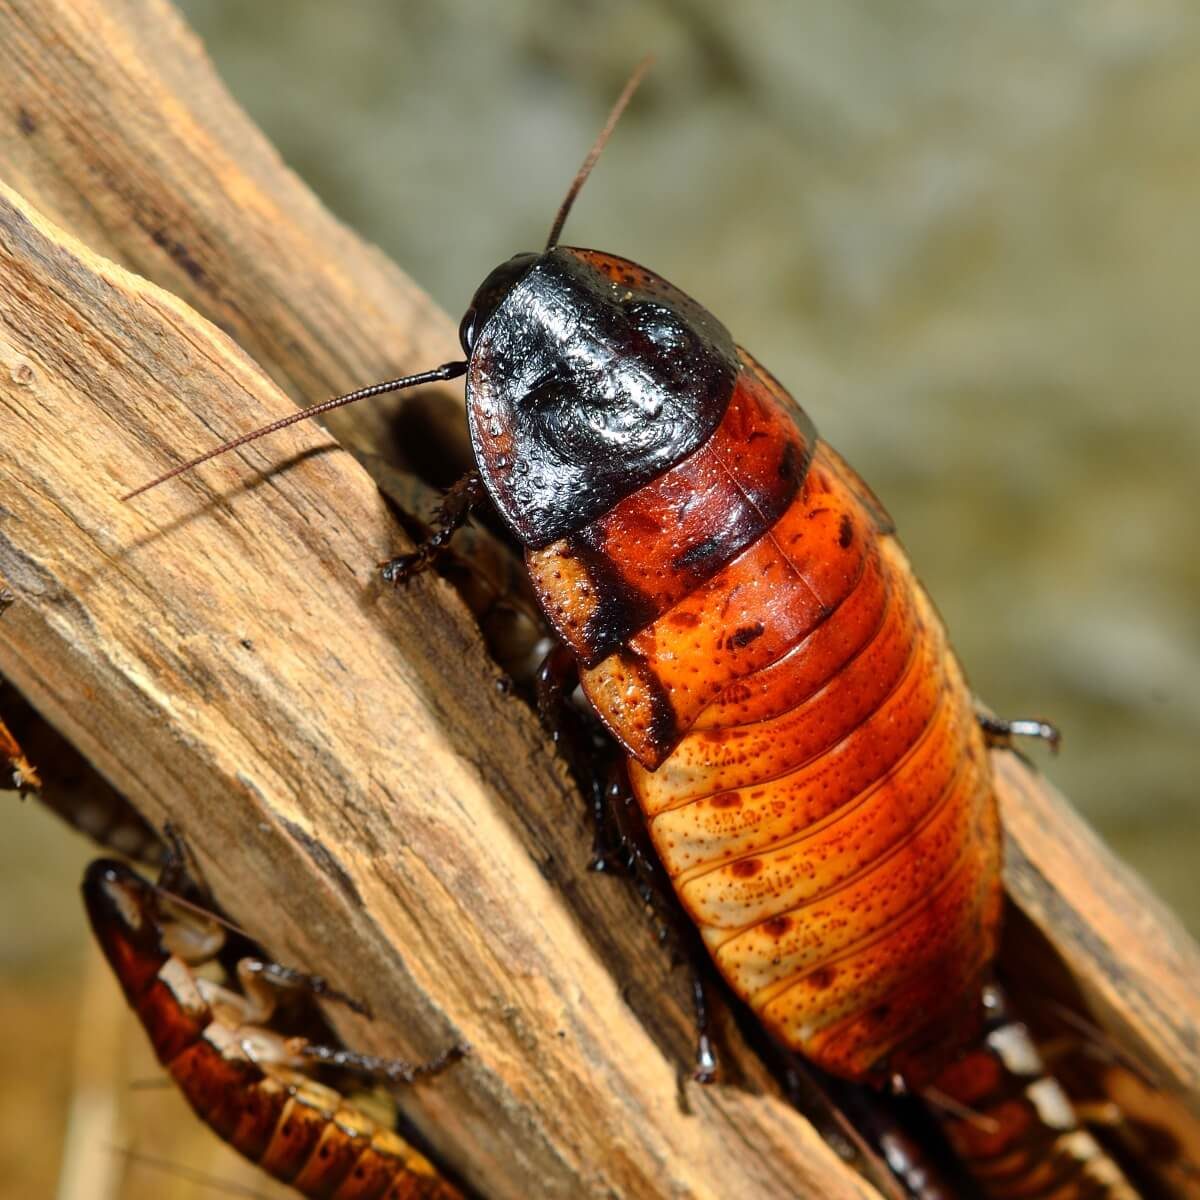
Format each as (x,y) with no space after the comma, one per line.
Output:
(800,743)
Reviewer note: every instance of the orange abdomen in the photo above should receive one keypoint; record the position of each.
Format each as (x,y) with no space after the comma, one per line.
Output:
(803,746)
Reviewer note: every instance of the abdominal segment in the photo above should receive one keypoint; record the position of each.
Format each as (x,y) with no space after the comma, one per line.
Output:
(821,799)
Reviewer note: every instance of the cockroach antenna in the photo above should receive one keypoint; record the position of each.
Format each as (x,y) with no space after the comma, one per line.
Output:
(450,370)
(594,153)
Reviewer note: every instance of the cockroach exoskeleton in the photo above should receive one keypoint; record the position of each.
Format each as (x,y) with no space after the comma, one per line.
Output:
(799,737)
(253,1084)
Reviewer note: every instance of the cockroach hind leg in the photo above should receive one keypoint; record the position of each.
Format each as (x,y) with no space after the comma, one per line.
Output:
(455,508)
(384,1070)
(1000,733)
(555,681)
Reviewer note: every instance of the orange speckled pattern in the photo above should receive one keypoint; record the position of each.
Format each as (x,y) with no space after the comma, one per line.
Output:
(802,742)
(841,856)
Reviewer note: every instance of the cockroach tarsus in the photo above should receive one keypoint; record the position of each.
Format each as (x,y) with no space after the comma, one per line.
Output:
(801,744)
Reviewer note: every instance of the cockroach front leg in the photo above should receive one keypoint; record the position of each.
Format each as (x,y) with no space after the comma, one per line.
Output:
(455,508)
(1001,733)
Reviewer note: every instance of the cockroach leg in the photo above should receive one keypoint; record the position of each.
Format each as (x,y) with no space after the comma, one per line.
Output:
(554,682)
(621,845)
(455,508)
(624,825)
(706,1056)
(257,976)
(1000,733)
(385,1070)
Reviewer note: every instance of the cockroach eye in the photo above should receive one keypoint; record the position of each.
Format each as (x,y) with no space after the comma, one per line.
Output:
(467,329)
(490,295)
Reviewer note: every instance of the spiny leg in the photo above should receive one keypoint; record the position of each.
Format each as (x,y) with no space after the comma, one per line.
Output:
(384,1070)
(262,981)
(1000,733)
(455,508)
(675,930)
(556,680)
(621,844)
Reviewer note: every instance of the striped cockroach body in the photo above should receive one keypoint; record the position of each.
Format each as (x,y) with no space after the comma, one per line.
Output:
(799,735)
(250,1084)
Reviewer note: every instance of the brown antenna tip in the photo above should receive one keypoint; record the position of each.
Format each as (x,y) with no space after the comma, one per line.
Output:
(593,154)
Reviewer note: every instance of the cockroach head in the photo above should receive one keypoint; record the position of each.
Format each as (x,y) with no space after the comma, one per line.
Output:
(588,375)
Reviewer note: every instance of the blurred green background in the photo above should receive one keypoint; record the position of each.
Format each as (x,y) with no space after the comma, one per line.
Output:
(964,235)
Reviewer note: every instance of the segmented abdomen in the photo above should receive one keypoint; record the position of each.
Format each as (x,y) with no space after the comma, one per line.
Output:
(300,1131)
(804,746)
(1014,1127)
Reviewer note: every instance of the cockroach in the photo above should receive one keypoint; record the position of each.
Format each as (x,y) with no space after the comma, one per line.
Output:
(799,735)
(16,771)
(251,1085)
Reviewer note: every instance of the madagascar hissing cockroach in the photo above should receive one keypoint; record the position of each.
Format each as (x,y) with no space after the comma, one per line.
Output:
(252,1085)
(799,736)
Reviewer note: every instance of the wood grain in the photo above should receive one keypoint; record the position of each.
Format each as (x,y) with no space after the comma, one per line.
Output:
(114,125)
(340,756)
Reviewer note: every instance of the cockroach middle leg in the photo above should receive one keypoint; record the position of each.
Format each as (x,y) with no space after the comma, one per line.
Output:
(621,845)
(383,1070)
(555,681)
(1000,733)
(455,508)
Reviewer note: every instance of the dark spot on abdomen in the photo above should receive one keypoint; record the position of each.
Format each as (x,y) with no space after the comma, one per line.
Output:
(845,531)
(699,554)
(25,121)
(745,635)
(746,868)
(822,977)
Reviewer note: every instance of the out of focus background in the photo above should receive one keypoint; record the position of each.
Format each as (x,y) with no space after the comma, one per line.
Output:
(966,236)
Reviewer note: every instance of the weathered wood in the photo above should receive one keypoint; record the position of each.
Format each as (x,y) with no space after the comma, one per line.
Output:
(116,127)
(1136,967)
(339,755)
